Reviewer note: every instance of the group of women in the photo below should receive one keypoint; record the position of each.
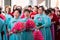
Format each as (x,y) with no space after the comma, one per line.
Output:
(38,23)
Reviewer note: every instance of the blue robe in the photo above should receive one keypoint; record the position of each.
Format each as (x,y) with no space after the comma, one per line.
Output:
(1,27)
(45,22)
(48,30)
(14,36)
(8,18)
(26,35)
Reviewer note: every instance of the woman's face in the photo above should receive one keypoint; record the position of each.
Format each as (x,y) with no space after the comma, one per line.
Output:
(16,14)
(30,8)
(59,13)
(26,14)
(56,9)
(35,9)
(40,11)
(8,10)
(52,12)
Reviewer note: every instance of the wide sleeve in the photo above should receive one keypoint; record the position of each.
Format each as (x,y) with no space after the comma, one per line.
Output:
(30,24)
(1,25)
(46,22)
(36,19)
(2,16)
(19,26)
(4,27)
(9,26)
(49,22)
(8,18)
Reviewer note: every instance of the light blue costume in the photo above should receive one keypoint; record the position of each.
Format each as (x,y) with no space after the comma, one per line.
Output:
(26,35)
(1,27)
(8,18)
(45,22)
(14,36)
(48,30)
(5,32)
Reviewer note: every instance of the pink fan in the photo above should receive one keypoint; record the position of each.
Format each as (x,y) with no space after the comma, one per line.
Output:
(2,16)
(30,24)
(19,26)
(38,35)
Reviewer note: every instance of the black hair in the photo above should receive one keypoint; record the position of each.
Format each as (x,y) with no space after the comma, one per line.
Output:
(59,11)
(57,7)
(50,8)
(36,7)
(26,10)
(41,7)
(53,10)
(0,9)
(19,7)
(18,10)
(13,8)
(30,6)
(48,11)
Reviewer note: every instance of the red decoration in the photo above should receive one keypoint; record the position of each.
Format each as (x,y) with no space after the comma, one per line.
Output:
(19,26)
(38,35)
(32,14)
(30,24)
(2,16)
(22,16)
(11,13)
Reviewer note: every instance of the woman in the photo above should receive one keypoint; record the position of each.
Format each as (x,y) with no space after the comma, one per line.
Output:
(14,8)
(16,18)
(1,15)
(8,18)
(27,33)
(54,20)
(3,33)
(48,31)
(41,21)
(1,27)
(35,10)
(8,10)
(7,14)
(30,8)
(58,29)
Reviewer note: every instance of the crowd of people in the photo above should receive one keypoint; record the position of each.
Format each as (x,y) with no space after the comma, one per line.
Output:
(29,23)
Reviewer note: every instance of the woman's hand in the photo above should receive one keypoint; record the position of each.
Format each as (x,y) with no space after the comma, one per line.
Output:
(39,27)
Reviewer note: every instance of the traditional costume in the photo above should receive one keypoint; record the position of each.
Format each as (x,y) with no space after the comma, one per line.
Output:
(14,36)
(1,27)
(32,14)
(44,21)
(27,34)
